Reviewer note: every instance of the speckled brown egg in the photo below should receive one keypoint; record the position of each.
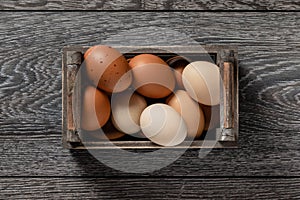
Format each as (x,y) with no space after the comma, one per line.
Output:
(95,110)
(107,68)
(153,77)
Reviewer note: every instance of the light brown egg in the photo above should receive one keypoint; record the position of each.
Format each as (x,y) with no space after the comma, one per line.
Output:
(107,68)
(190,112)
(153,78)
(95,110)
(126,111)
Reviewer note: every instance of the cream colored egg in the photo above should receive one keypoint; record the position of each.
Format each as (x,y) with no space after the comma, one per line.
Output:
(163,125)
(126,111)
(201,80)
(190,111)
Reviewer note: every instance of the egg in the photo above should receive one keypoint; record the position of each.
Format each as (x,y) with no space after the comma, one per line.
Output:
(95,110)
(108,133)
(190,112)
(212,116)
(178,63)
(107,68)
(126,111)
(201,79)
(153,78)
(163,125)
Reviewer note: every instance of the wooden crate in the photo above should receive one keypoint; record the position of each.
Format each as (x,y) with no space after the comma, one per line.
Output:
(224,56)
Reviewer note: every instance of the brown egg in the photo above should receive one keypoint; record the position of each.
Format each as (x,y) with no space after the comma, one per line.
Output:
(178,63)
(190,112)
(96,135)
(107,68)
(109,132)
(212,116)
(153,78)
(95,110)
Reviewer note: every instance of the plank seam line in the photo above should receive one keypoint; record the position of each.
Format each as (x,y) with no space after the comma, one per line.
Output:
(155,177)
(235,11)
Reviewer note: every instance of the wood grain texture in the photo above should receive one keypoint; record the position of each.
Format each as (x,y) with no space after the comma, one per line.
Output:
(71,5)
(221,5)
(30,85)
(149,5)
(140,188)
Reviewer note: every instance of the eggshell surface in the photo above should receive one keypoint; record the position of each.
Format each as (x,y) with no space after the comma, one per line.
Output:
(201,79)
(190,112)
(95,110)
(178,63)
(163,125)
(153,78)
(126,111)
(105,67)
(212,116)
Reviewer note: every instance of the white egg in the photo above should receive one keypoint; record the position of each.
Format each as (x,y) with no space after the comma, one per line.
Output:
(163,125)
(201,80)
(126,111)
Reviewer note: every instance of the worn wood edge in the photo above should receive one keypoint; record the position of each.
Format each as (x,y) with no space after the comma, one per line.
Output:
(229,115)
(180,49)
(149,145)
(64,98)
(228,101)
(69,71)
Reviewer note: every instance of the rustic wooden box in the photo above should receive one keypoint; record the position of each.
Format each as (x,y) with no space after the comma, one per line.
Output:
(225,137)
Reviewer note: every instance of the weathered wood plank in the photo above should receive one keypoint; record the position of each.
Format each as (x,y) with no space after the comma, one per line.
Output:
(221,5)
(30,85)
(71,5)
(150,188)
(149,5)
(44,156)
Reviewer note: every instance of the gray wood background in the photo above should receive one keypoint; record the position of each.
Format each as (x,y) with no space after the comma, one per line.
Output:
(150,4)
(33,163)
